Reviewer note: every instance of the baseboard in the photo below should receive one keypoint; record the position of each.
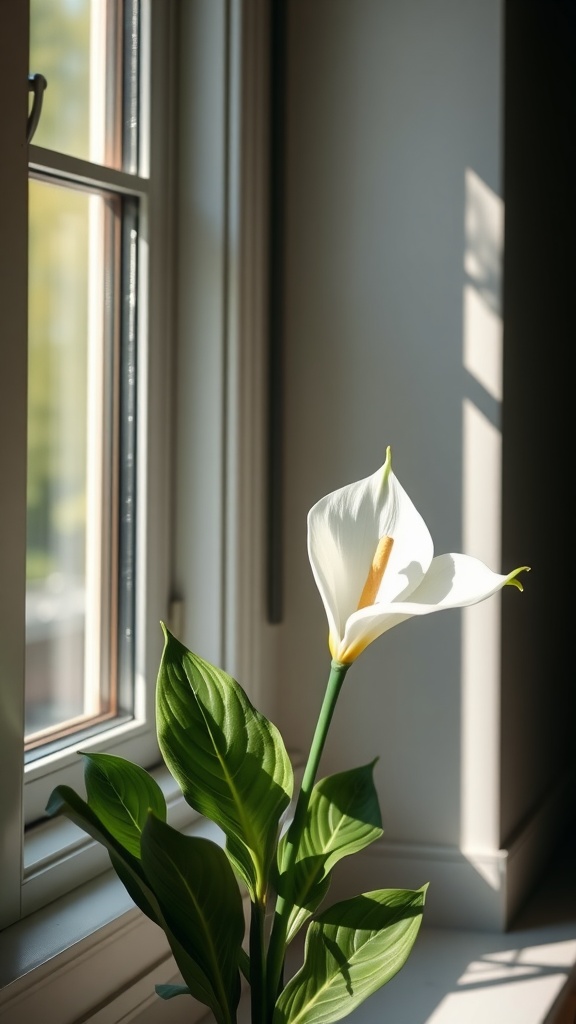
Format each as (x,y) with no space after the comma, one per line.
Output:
(467,888)
(464,891)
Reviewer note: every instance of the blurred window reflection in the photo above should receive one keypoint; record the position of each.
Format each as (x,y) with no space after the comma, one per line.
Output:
(81,371)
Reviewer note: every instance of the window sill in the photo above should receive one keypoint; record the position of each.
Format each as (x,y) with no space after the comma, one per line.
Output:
(117,956)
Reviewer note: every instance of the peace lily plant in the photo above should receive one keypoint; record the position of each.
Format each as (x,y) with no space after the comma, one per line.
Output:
(373,560)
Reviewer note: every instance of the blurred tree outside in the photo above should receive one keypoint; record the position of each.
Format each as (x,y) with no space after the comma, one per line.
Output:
(60,50)
(58,240)
(57,375)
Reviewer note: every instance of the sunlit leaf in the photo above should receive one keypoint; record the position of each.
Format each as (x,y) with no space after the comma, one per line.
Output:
(201,902)
(343,818)
(352,949)
(121,794)
(229,760)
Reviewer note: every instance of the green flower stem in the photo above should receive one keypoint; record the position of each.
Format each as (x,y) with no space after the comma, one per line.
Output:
(284,902)
(257,963)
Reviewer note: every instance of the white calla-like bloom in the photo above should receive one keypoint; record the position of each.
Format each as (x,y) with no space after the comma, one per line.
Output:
(372,557)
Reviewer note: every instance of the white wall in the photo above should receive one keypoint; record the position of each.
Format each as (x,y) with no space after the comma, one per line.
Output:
(393,300)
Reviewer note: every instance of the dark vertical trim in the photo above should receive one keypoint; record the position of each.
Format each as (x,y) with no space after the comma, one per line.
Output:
(275,574)
(538,697)
(229,156)
(131,86)
(127,462)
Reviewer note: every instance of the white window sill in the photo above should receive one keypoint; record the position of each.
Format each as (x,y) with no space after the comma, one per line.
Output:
(92,956)
(526,975)
(452,976)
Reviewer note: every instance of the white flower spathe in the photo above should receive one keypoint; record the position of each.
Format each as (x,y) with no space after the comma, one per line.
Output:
(372,557)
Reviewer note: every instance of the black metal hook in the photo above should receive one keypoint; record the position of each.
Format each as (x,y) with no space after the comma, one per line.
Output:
(36,85)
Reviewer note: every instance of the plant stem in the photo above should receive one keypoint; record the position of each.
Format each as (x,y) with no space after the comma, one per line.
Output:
(257,964)
(284,902)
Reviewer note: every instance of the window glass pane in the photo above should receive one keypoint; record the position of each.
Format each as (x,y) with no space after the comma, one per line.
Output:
(71,441)
(75,44)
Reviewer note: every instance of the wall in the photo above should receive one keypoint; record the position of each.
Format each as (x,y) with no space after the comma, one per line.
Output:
(393,299)
(538,693)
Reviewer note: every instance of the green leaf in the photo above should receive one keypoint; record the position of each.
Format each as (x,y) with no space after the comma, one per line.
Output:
(121,794)
(197,982)
(227,758)
(309,896)
(352,949)
(201,903)
(343,818)
(129,869)
(64,800)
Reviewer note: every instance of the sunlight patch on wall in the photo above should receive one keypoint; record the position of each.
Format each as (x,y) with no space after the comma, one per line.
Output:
(484,236)
(482,342)
(482,447)
(481,516)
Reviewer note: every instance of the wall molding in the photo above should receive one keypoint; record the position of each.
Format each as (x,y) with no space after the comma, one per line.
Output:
(477,889)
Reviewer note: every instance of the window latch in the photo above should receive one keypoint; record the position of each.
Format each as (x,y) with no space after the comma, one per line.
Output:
(36,85)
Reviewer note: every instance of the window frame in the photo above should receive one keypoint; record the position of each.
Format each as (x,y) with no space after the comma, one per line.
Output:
(13,368)
(222,99)
(135,738)
(42,862)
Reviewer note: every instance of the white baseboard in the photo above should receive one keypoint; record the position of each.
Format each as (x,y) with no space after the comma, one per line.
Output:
(463,892)
(469,889)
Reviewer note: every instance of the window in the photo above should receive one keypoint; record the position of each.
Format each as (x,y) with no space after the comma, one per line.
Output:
(83,304)
(201,451)
(85,441)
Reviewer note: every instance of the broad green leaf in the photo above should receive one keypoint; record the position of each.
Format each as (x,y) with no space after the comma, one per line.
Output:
(352,949)
(308,898)
(64,800)
(201,903)
(197,982)
(130,871)
(121,794)
(229,760)
(343,818)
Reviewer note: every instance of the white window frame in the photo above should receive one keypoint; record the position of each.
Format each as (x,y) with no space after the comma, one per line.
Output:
(135,739)
(217,576)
